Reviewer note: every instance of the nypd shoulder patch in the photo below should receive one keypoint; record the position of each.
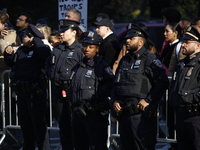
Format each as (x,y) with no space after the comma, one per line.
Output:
(157,62)
(109,71)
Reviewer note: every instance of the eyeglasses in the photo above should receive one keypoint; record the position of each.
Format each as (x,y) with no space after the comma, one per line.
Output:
(20,19)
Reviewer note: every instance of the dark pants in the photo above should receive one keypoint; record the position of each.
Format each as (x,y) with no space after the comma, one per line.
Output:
(188,132)
(32,109)
(66,126)
(57,105)
(90,132)
(171,125)
(137,132)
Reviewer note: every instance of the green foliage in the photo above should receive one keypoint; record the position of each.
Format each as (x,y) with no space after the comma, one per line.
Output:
(189,8)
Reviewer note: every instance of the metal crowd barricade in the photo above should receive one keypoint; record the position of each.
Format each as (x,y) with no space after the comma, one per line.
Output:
(8,120)
(7,113)
(159,139)
(8,123)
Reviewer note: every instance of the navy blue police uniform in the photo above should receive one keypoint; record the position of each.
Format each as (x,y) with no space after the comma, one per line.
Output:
(139,76)
(30,84)
(185,97)
(59,67)
(90,86)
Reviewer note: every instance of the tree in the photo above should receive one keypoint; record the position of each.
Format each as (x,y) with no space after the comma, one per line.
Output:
(189,8)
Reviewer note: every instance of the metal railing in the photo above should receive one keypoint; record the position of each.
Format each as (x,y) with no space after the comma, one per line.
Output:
(10,119)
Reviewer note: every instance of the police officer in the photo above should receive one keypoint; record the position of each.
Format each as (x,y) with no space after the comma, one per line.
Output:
(64,57)
(28,77)
(91,84)
(140,82)
(185,93)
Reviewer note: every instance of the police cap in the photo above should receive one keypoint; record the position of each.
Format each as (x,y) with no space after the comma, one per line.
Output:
(32,31)
(135,29)
(66,24)
(92,38)
(105,22)
(191,34)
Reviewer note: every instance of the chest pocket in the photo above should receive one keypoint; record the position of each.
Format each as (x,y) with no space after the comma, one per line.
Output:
(189,86)
(67,63)
(87,87)
(132,82)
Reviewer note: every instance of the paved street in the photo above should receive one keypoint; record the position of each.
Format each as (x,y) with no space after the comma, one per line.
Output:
(55,144)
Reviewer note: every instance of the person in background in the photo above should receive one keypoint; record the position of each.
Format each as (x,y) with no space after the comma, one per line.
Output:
(64,57)
(177,52)
(55,38)
(29,82)
(46,31)
(110,47)
(4,18)
(22,22)
(91,84)
(43,21)
(184,92)
(8,37)
(172,34)
(73,14)
(169,15)
(140,82)
(196,23)
(184,24)
(102,16)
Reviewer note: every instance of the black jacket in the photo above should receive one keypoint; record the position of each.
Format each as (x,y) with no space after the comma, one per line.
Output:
(185,86)
(27,63)
(91,82)
(140,76)
(110,48)
(62,60)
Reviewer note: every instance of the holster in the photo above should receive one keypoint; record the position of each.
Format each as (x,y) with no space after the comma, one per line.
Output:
(36,88)
(28,87)
(131,107)
(80,111)
(148,113)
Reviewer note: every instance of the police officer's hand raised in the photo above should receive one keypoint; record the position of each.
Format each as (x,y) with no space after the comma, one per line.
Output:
(142,104)
(9,49)
(117,106)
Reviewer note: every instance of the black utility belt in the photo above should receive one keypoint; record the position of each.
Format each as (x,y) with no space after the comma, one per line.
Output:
(190,109)
(28,87)
(131,108)
(83,111)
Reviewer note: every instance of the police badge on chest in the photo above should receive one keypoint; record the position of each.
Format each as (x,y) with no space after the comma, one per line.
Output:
(136,64)
(30,54)
(88,74)
(70,55)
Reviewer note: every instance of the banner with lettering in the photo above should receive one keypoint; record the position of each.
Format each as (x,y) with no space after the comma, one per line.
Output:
(81,5)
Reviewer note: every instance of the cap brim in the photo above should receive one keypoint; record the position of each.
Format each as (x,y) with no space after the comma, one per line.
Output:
(98,24)
(64,29)
(90,42)
(129,35)
(188,37)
